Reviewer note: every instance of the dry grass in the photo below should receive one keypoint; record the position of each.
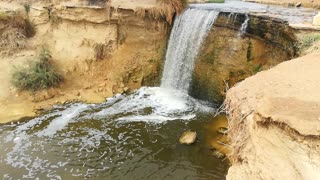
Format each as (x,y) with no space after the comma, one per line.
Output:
(165,10)
(14,31)
(237,129)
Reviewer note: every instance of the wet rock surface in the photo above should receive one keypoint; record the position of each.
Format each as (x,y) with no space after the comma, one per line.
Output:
(188,138)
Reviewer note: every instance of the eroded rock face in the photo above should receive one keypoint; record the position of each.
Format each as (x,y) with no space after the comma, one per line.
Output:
(274,122)
(227,57)
(99,50)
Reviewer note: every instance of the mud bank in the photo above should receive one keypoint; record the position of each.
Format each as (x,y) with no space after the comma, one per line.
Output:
(274,122)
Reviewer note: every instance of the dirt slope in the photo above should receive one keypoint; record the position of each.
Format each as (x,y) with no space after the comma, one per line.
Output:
(133,49)
(275,122)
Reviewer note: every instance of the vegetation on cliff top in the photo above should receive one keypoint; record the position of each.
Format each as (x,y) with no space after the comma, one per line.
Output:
(38,74)
(164,11)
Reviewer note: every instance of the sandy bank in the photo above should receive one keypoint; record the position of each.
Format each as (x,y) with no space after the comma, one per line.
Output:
(274,121)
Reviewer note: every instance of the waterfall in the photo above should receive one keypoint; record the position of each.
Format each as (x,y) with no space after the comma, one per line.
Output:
(187,35)
(244,26)
(232,17)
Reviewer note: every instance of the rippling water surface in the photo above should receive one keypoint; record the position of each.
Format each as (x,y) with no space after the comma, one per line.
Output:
(128,137)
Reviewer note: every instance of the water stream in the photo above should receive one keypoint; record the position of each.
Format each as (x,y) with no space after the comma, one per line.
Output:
(127,137)
(185,41)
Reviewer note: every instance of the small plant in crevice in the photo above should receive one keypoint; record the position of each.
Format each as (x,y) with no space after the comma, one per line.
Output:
(3,15)
(257,68)
(250,56)
(308,40)
(38,74)
(27,8)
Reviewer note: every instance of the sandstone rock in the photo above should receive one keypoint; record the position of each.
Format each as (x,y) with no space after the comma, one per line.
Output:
(188,137)
(298,4)
(126,89)
(316,20)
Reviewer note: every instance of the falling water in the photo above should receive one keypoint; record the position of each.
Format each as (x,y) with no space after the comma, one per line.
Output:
(185,41)
(232,17)
(244,26)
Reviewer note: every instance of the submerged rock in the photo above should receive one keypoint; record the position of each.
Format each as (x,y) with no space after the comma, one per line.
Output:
(217,153)
(188,137)
(222,130)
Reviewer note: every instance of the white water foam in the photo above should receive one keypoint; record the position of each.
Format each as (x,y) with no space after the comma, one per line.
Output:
(154,104)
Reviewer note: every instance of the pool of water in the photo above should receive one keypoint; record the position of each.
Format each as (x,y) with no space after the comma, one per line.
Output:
(119,139)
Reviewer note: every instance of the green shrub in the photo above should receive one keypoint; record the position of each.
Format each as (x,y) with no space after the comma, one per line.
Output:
(27,8)
(39,74)
(308,41)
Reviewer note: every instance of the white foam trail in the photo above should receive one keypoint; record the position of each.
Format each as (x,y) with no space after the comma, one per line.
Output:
(188,33)
(66,117)
(161,105)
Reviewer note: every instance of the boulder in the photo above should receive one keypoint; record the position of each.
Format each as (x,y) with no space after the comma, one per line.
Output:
(188,137)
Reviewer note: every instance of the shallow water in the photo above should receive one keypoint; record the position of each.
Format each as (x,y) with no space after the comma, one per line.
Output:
(109,140)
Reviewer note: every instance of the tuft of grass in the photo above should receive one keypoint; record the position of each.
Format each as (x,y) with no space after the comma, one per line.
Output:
(3,15)
(165,10)
(16,29)
(39,74)
(257,68)
(308,41)
(27,8)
